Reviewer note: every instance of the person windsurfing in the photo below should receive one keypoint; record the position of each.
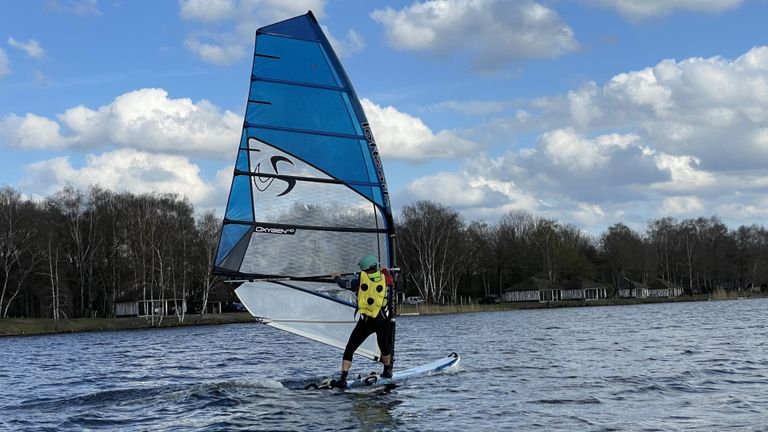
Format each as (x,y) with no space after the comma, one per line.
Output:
(372,286)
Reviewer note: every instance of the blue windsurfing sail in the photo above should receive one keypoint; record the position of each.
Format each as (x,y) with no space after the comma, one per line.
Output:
(308,195)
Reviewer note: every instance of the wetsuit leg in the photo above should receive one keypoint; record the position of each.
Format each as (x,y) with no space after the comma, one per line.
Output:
(382,335)
(362,330)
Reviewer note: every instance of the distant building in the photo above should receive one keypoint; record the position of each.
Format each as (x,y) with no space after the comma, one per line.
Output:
(141,303)
(593,290)
(538,289)
(632,289)
(527,290)
(663,288)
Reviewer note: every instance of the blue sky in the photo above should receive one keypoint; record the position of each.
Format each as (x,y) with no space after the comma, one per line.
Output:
(590,112)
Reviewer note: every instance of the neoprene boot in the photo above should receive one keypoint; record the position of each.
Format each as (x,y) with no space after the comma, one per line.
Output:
(342,381)
(387,373)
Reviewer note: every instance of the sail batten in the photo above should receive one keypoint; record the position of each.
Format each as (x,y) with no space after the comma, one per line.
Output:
(299,83)
(304,131)
(309,227)
(309,179)
(308,195)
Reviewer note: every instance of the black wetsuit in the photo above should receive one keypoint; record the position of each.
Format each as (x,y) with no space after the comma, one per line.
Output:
(367,325)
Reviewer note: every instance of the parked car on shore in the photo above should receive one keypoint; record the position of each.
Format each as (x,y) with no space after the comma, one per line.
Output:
(490,300)
(234,307)
(414,300)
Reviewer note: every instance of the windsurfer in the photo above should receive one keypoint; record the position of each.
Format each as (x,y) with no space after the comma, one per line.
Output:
(372,286)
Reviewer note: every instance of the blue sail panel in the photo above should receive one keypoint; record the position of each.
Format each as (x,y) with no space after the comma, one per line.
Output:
(242,159)
(299,107)
(300,27)
(231,234)
(284,59)
(327,153)
(239,207)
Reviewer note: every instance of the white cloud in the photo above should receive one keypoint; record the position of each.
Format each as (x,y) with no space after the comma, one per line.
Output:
(121,170)
(223,179)
(581,107)
(589,214)
(642,9)
(478,108)
(690,206)
(212,45)
(143,119)
(684,174)
(748,212)
(5,65)
(449,189)
(352,43)
(683,137)
(207,10)
(269,11)
(568,176)
(475,194)
(218,51)
(31,47)
(40,77)
(694,107)
(563,147)
(32,132)
(75,7)
(495,32)
(641,89)
(402,136)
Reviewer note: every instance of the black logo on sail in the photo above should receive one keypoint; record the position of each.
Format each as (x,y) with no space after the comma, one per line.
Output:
(271,230)
(263,183)
(376,161)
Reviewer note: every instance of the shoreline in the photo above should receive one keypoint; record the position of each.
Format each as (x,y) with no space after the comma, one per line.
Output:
(41,326)
(432,309)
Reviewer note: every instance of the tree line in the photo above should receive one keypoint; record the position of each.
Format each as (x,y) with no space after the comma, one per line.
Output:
(75,253)
(444,257)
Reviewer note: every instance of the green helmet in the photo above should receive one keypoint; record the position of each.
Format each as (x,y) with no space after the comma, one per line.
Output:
(367,262)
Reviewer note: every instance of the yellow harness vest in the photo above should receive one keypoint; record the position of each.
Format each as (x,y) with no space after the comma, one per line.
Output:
(371,295)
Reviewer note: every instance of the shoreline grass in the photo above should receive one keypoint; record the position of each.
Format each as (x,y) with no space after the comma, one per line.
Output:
(436,309)
(41,326)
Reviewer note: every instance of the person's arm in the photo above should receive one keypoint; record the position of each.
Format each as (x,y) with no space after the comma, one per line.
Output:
(347,284)
(388,277)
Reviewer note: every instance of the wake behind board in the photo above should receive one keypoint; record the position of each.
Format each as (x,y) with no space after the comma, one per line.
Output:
(397,377)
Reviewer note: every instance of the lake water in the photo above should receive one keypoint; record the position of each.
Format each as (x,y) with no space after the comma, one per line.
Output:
(663,367)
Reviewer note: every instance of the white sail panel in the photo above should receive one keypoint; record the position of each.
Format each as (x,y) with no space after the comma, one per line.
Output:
(282,195)
(308,253)
(315,310)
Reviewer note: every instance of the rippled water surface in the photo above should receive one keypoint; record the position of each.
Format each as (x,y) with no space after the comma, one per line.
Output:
(686,366)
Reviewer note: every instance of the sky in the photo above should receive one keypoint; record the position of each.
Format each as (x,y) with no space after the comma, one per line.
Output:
(589,112)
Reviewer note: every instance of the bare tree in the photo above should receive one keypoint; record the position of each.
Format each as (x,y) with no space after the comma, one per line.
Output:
(666,240)
(430,238)
(546,242)
(623,250)
(81,241)
(53,277)
(479,256)
(18,250)
(208,227)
